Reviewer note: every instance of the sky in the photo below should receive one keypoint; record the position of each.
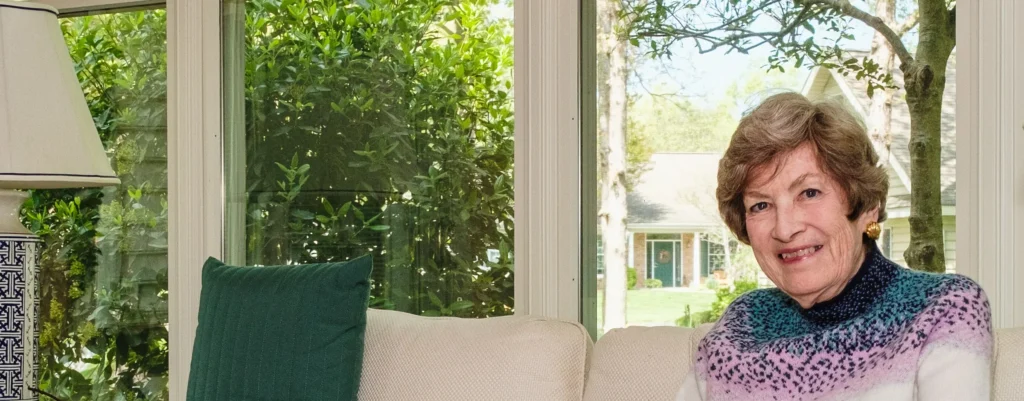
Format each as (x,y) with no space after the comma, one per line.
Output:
(708,76)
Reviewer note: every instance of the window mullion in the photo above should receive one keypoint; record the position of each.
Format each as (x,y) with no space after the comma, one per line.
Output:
(547,158)
(194,168)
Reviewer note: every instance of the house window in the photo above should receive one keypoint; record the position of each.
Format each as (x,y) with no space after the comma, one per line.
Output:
(714,257)
(384,128)
(103,332)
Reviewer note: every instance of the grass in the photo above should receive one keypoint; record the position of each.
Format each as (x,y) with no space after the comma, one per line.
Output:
(661,307)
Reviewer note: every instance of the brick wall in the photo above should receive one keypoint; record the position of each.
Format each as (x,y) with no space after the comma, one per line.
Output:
(640,258)
(687,258)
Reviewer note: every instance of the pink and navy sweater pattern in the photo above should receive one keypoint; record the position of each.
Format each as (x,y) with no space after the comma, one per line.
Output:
(874,333)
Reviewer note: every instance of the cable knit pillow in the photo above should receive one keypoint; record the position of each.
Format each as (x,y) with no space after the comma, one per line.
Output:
(280,333)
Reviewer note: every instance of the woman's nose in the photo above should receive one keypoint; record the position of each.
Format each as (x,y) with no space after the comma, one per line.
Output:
(788,223)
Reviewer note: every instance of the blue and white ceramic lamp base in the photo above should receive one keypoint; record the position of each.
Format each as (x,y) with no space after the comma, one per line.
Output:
(19,303)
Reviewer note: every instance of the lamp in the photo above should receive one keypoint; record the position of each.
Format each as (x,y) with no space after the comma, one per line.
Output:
(47,140)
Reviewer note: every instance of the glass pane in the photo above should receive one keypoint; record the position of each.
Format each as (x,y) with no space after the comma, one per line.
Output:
(375,127)
(103,268)
(668,102)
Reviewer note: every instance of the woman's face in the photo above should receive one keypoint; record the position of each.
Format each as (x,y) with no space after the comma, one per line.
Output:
(796,220)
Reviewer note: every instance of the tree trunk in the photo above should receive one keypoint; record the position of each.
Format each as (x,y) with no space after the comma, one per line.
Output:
(925,82)
(602,125)
(612,215)
(880,109)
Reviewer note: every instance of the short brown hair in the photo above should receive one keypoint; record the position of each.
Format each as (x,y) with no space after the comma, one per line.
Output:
(784,122)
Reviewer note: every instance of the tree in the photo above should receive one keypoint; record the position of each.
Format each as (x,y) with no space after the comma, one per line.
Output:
(386,128)
(612,47)
(789,27)
(879,119)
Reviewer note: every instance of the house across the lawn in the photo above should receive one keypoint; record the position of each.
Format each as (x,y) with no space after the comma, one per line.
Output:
(672,212)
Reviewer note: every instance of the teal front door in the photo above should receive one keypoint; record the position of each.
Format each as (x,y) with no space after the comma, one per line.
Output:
(663,262)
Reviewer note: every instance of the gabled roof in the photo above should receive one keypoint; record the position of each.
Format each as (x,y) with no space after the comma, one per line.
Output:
(854,91)
(676,193)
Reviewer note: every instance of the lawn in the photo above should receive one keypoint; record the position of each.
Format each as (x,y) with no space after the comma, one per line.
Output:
(660,307)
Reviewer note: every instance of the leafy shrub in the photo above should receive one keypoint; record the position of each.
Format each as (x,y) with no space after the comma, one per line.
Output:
(712,284)
(724,298)
(694,319)
(630,278)
(652,283)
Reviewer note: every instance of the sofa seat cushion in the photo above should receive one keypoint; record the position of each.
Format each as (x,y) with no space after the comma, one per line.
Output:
(409,357)
(642,363)
(1008,381)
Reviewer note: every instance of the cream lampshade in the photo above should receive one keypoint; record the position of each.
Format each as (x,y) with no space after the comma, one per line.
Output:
(47,140)
(47,136)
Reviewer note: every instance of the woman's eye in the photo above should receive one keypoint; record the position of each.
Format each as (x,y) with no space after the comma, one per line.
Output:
(811,193)
(759,206)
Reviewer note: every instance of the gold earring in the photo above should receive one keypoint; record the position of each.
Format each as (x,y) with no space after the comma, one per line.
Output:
(874,230)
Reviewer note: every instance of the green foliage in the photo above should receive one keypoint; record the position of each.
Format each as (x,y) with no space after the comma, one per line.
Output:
(724,297)
(670,122)
(103,268)
(690,319)
(394,122)
(652,283)
(630,278)
(711,284)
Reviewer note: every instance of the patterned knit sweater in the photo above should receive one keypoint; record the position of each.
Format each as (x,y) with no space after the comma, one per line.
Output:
(892,334)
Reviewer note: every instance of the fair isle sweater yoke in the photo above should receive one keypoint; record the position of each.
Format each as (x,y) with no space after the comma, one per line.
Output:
(892,334)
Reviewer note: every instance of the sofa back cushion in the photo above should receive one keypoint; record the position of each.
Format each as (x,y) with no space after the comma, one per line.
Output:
(1008,383)
(410,357)
(642,363)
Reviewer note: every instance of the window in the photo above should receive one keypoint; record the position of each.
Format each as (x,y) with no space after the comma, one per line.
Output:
(381,128)
(104,264)
(667,105)
(714,254)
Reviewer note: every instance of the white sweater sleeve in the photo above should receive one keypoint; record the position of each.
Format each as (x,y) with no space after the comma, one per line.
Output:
(950,373)
(693,388)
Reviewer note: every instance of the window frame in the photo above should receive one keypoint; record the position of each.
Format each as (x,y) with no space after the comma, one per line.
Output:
(557,77)
(68,8)
(988,115)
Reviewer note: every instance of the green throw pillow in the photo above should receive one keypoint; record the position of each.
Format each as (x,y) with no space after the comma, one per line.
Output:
(280,333)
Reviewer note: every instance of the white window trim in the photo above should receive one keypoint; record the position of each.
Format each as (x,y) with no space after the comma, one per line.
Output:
(990,169)
(72,7)
(195,168)
(547,140)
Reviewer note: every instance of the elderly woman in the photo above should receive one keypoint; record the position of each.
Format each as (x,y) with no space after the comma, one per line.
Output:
(801,184)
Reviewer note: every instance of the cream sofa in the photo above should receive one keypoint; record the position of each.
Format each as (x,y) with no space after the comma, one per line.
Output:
(528,358)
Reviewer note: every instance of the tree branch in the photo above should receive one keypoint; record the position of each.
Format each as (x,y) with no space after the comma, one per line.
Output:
(908,24)
(849,10)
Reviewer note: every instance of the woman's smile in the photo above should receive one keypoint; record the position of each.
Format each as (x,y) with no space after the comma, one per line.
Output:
(798,254)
